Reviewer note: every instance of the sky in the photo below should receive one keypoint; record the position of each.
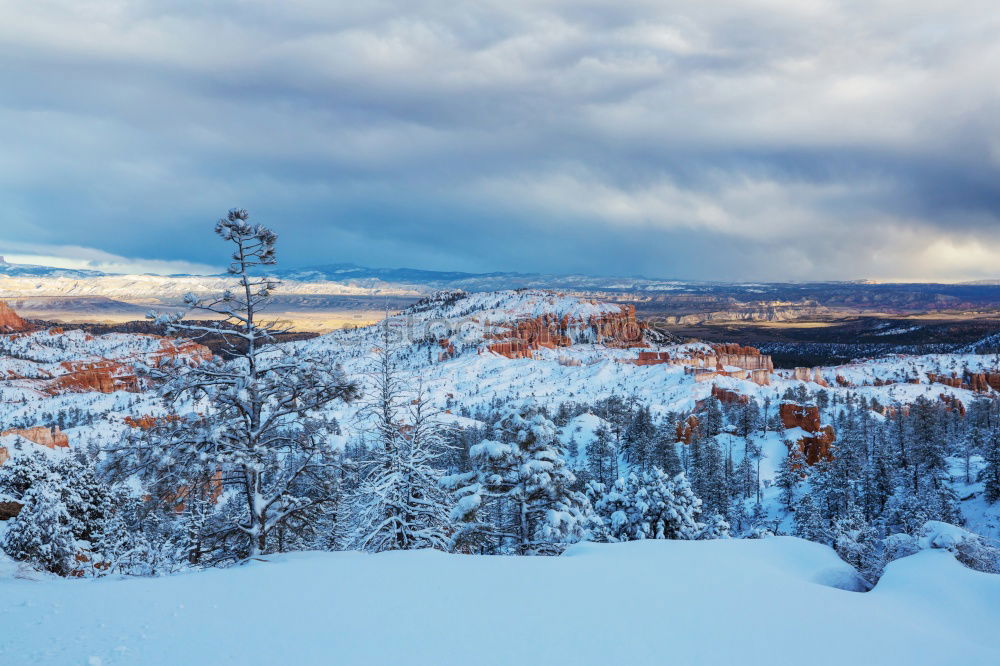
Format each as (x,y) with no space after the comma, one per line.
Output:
(752,140)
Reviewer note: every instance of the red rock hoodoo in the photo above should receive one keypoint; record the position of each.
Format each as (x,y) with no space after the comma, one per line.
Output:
(49,437)
(189,351)
(952,404)
(728,397)
(448,349)
(212,489)
(810,375)
(522,338)
(725,360)
(981,382)
(147,421)
(686,428)
(10,322)
(815,446)
(42,435)
(103,376)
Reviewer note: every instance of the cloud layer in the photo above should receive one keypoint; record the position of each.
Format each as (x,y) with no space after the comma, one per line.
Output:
(766,139)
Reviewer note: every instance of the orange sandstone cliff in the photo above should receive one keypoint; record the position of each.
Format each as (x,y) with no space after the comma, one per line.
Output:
(10,322)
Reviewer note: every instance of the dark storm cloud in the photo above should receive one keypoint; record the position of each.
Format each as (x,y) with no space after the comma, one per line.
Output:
(767,139)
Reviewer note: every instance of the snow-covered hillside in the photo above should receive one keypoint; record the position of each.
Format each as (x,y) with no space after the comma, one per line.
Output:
(777,600)
(445,342)
(587,370)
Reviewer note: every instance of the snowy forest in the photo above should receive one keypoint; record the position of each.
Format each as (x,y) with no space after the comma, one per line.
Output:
(240,463)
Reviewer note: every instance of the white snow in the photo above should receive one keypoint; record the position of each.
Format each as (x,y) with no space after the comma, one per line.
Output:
(764,601)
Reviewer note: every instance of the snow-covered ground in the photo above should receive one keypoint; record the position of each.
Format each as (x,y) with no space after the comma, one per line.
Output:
(771,601)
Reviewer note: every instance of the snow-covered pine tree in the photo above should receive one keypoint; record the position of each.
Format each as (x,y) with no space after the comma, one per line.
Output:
(790,476)
(42,534)
(744,476)
(648,505)
(601,456)
(717,527)
(18,474)
(680,518)
(710,480)
(712,419)
(856,540)
(991,473)
(254,416)
(520,496)
(401,504)
(616,506)
(929,453)
(809,521)
(665,456)
(64,501)
(640,438)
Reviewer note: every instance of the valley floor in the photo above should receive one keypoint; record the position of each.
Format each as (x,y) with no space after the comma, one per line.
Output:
(772,601)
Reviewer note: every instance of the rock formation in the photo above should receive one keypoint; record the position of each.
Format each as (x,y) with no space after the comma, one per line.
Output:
(523,337)
(816,445)
(810,375)
(448,349)
(9,510)
(10,322)
(952,404)
(188,351)
(103,376)
(42,435)
(984,381)
(724,360)
(147,422)
(728,397)
(799,416)
(981,382)
(686,428)
(211,490)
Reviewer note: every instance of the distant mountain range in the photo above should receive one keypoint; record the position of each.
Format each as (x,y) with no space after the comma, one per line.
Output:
(364,277)
(31,270)
(375,278)
(474,282)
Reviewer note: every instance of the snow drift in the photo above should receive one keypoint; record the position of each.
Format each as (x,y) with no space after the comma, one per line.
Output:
(776,600)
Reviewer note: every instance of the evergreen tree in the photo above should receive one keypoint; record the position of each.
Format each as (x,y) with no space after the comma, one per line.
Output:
(639,438)
(991,473)
(790,476)
(520,493)
(648,505)
(401,502)
(42,534)
(716,528)
(710,480)
(809,521)
(928,449)
(712,419)
(665,456)
(63,501)
(20,473)
(601,456)
(257,420)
